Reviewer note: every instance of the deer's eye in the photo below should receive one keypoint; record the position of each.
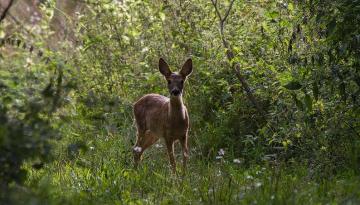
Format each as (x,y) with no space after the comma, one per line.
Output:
(169,82)
(182,82)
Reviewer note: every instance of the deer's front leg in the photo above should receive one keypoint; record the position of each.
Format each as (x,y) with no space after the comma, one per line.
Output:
(170,150)
(185,149)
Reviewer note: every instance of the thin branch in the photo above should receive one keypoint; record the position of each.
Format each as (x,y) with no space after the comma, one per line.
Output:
(3,15)
(214,2)
(222,19)
(230,56)
(228,11)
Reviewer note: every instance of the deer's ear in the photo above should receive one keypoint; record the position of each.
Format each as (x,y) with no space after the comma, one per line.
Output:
(187,68)
(164,68)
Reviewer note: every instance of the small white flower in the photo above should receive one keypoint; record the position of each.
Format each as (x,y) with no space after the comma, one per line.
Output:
(237,161)
(219,157)
(158,145)
(137,149)
(92,148)
(145,49)
(28,64)
(29,61)
(221,152)
(258,184)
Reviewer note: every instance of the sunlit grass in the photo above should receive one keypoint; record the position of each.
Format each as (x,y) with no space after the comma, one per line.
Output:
(104,174)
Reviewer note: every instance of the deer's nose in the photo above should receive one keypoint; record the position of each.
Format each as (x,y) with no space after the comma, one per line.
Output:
(175,92)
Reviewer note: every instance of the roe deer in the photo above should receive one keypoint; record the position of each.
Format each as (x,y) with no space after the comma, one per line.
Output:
(157,116)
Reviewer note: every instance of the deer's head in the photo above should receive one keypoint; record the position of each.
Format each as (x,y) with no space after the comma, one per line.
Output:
(175,80)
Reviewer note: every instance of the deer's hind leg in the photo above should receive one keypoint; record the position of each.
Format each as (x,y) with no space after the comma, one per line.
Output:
(144,140)
(137,149)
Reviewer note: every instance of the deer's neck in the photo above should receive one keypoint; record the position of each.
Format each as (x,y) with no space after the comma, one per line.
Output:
(176,108)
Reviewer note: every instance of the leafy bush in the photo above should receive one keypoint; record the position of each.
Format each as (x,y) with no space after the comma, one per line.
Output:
(300,59)
(26,127)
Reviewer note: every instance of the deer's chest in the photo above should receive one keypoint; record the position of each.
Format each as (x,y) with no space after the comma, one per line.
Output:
(177,127)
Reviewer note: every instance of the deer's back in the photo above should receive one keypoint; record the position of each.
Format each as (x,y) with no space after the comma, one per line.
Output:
(150,112)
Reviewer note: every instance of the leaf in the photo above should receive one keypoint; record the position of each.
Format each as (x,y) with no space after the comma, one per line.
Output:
(285,23)
(298,103)
(2,34)
(342,89)
(316,91)
(272,14)
(291,7)
(293,85)
(308,102)
(162,16)
(20,176)
(7,100)
(331,26)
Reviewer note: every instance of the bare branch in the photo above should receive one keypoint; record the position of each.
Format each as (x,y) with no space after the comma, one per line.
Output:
(230,56)
(3,15)
(222,19)
(214,2)
(228,11)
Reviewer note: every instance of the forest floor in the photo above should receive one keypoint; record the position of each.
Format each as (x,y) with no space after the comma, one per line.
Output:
(104,174)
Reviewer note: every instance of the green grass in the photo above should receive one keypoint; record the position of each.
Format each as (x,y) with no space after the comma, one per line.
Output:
(104,175)
(97,168)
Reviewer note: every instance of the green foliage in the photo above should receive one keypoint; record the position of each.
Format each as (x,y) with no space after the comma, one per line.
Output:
(300,58)
(25,120)
(293,85)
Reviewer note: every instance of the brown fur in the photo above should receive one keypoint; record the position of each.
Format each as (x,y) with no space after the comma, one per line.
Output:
(160,117)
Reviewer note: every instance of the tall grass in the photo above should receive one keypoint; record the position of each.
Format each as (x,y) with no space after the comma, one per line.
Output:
(103,173)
